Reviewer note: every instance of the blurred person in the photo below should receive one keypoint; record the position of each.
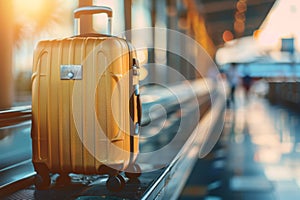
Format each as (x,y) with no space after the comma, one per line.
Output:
(247,82)
(233,80)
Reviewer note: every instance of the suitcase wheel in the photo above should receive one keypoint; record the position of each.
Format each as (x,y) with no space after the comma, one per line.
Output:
(42,182)
(63,180)
(135,171)
(42,179)
(115,183)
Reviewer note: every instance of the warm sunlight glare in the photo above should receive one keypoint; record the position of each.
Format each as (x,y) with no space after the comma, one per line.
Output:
(30,8)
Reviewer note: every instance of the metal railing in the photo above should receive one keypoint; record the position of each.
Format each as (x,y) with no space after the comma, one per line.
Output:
(14,116)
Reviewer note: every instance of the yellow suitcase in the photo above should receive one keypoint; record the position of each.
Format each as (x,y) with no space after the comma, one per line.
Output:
(85,106)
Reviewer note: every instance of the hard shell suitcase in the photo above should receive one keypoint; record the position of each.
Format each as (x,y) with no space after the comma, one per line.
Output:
(85,106)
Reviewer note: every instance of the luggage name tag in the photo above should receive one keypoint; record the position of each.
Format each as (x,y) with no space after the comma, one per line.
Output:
(71,72)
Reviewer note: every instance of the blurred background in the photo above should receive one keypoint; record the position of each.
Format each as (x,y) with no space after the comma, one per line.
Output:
(258,41)
(261,36)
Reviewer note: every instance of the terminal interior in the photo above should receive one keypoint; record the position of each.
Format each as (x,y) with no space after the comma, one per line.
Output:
(219,91)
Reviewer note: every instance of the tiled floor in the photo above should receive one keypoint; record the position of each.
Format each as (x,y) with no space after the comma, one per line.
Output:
(262,156)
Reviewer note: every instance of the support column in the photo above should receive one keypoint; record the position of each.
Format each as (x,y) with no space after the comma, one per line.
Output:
(172,19)
(86,23)
(6,48)
(127,13)
(151,53)
(128,19)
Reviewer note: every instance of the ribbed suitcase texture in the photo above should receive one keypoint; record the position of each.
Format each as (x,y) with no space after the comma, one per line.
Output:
(84,106)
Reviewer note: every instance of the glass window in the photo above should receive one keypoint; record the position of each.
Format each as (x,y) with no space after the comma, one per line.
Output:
(35,20)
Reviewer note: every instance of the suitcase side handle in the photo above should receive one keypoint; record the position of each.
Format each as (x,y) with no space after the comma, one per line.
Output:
(139,109)
(91,10)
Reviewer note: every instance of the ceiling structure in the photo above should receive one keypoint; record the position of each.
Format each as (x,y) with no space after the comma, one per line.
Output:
(221,15)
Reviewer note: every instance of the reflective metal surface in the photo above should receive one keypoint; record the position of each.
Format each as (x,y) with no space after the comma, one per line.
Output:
(73,72)
(259,155)
(15,157)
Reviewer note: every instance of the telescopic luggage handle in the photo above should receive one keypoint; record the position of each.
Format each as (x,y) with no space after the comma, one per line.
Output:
(90,10)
